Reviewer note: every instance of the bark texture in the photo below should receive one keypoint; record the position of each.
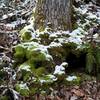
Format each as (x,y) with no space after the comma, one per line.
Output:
(98,2)
(56,12)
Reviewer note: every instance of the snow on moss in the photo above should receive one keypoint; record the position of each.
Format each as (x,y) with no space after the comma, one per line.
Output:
(76,36)
(25,67)
(55,44)
(48,79)
(59,70)
(23,86)
(64,64)
(71,78)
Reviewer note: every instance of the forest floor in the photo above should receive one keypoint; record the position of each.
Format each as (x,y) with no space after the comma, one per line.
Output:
(12,20)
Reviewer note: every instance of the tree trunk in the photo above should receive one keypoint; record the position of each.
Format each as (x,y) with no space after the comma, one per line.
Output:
(98,2)
(56,12)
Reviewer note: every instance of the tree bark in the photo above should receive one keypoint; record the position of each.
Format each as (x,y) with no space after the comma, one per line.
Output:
(98,2)
(56,12)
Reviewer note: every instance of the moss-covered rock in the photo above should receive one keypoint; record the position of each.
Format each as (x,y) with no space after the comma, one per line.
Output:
(35,58)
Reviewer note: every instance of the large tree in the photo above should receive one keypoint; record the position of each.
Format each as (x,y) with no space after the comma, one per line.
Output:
(56,12)
(98,2)
(95,1)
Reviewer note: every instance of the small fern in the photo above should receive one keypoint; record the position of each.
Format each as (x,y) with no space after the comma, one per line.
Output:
(90,60)
(97,57)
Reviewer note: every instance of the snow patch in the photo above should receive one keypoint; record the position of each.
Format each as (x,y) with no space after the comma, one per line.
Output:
(71,78)
(23,86)
(55,44)
(59,70)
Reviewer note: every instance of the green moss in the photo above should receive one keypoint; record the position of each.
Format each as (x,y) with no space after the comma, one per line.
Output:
(36,55)
(40,71)
(4,98)
(22,89)
(35,59)
(25,35)
(20,52)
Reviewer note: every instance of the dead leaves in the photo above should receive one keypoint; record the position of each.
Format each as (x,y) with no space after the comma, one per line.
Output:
(78,92)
